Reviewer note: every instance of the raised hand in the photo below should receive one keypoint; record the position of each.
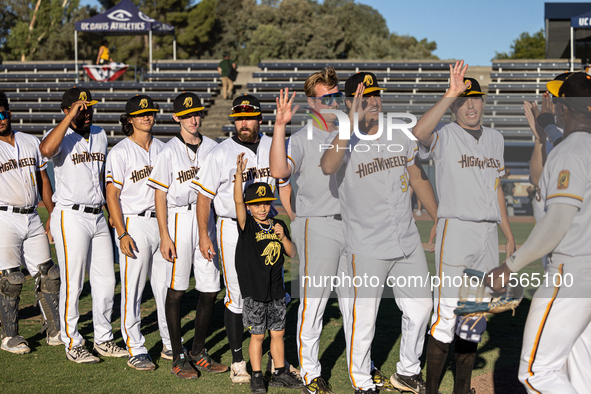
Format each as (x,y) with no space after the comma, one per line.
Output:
(456,78)
(547,104)
(284,111)
(357,106)
(241,163)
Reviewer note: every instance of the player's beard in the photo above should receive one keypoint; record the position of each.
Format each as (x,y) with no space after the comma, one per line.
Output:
(6,132)
(252,134)
(79,123)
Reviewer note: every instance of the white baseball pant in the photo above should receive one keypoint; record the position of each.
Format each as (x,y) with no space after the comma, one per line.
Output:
(23,241)
(409,279)
(460,244)
(83,242)
(148,262)
(558,329)
(227,234)
(321,250)
(182,228)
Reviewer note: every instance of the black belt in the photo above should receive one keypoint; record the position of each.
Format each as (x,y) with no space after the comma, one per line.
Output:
(19,210)
(9,271)
(94,211)
(146,213)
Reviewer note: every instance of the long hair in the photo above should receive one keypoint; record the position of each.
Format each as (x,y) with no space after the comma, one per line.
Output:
(126,126)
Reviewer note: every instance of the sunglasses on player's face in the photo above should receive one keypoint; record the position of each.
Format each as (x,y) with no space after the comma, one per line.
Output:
(241,109)
(329,99)
(4,115)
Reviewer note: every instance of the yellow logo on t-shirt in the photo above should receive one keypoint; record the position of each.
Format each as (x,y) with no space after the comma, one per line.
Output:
(563,179)
(272,253)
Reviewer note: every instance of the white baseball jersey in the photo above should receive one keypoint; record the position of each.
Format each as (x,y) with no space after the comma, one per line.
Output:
(129,164)
(565,180)
(18,168)
(79,168)
(317,193)
(375,203)
(467,172)
(176,167)
(216,177)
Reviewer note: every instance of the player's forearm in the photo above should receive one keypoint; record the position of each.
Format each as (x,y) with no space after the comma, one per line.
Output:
(46,191)
(285,198)
(280,168)
(423,189)
(203,211)
(429,121)
(505,227)
(115,211)
(50,144)
(536,164)
(161,213)
(545,236)
(333,156)
(239,202)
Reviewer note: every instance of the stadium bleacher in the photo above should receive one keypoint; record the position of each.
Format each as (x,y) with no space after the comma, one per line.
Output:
(35,90)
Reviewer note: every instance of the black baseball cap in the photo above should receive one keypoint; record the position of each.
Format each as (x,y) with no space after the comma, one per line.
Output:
(473,88)
(246,105)
(140,104)
(185,103)
(555,84)
(369,80)
(76,94)
(258,192)
(574,91)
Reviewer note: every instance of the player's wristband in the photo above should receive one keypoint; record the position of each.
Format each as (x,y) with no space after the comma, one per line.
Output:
(122,235)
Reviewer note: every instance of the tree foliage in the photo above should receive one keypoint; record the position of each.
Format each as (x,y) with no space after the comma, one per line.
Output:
(526,47)
(248,30)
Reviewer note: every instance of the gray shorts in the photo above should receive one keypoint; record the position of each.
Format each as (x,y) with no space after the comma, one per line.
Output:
(259,317)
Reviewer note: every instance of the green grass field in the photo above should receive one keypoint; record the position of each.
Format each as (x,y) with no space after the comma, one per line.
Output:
(47,370)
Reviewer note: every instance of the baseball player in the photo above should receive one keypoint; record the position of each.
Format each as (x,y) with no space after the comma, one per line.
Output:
(469,163)
(382,241)
(215,182)
(559,320)
(24,178)
(317,227)
(131,204)
(81,234)
(175,168)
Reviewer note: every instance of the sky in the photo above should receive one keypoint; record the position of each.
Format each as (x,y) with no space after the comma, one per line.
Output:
(472,30)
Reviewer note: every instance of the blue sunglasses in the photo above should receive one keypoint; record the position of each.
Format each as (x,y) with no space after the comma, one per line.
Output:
(4,115)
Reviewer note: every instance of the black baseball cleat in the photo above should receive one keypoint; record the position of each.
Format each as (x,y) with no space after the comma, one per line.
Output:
(414,383)
(286,380)
(257,383)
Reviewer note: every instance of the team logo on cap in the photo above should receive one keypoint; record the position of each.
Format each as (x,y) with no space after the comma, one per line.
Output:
(188,103)
(143,103)
(261,191)
(272,253)
(368,80)
(83,96)
(563,179)
(245,102)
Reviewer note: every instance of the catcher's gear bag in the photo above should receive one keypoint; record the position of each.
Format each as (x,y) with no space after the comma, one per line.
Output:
(47,290)
(501,303)
(11,284)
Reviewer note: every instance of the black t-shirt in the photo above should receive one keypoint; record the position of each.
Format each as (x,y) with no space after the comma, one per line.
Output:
(259,258)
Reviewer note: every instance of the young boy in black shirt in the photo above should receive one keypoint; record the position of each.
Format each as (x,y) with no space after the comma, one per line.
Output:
(261,245)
